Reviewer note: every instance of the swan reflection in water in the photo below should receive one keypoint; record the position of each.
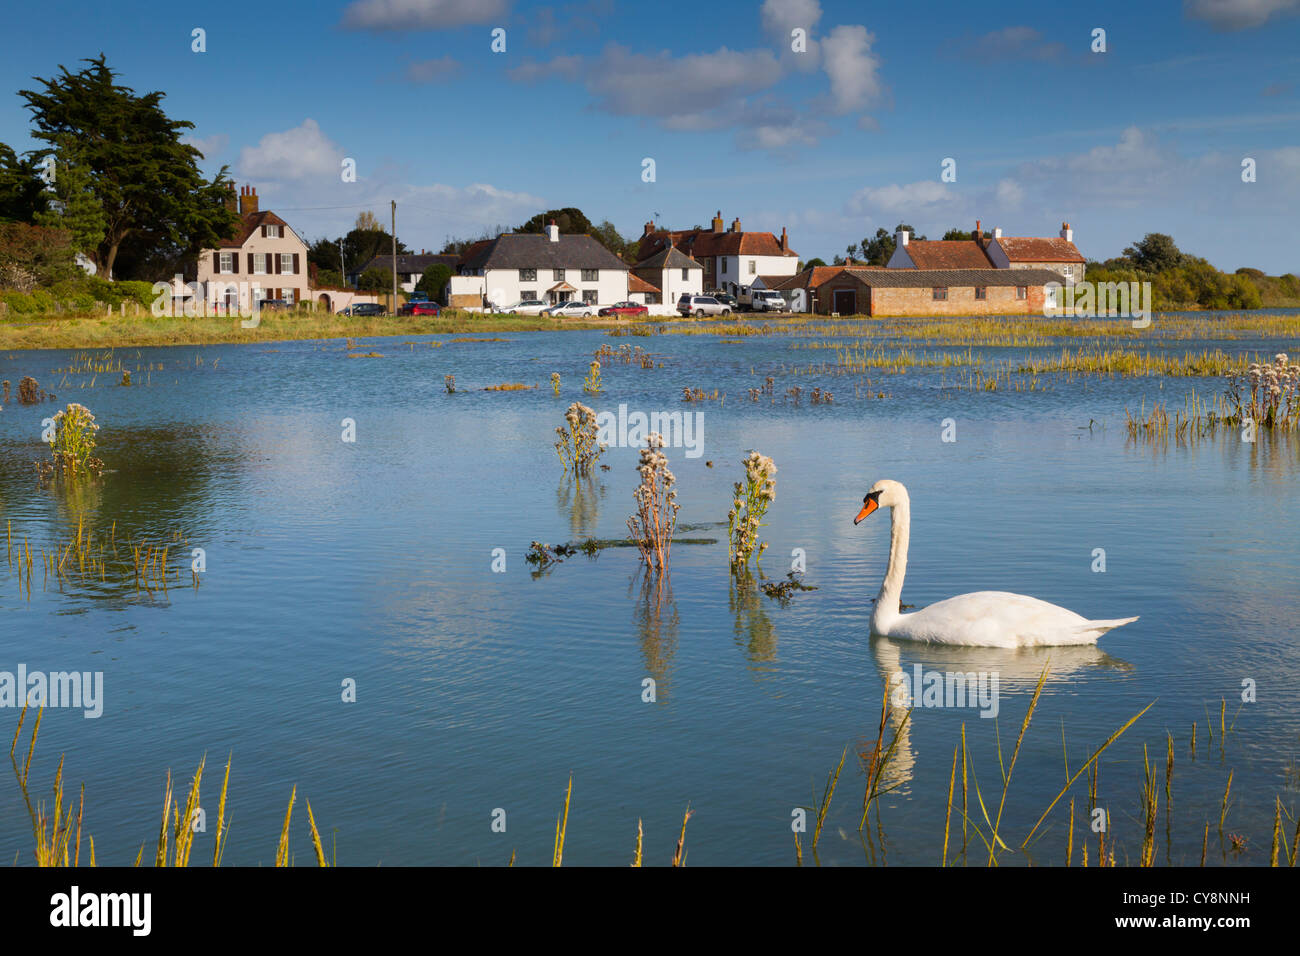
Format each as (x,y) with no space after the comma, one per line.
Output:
(983,675)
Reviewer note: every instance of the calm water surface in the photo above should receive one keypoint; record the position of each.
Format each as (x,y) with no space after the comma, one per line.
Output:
(477,690)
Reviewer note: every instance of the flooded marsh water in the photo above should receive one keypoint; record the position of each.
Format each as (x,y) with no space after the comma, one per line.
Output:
(372,560)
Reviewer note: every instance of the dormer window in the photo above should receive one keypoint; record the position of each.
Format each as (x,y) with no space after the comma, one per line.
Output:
(271,232)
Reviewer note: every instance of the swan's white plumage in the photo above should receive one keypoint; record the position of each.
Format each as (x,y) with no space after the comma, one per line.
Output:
(982,618)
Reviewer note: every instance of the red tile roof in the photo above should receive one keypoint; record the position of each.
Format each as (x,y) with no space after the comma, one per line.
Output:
(699,243)
(1039,250)
(636,284)
(947,254)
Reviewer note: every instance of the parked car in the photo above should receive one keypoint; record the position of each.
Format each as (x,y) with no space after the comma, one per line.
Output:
(417,297)
(571,309)
(624,308)
(763,300)
(701,305)
(274,305)
(419,307)
(726,298)
(365,308)
(522,307)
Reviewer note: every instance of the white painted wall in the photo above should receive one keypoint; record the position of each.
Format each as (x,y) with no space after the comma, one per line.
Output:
(742,270)
(504,287)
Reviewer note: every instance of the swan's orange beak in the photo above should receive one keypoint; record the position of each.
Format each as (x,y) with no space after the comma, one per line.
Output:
(868,505)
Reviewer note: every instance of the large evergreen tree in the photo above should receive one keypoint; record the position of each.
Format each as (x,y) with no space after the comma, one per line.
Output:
(146,181)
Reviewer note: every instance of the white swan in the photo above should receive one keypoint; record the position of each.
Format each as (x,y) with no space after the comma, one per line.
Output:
(983,618)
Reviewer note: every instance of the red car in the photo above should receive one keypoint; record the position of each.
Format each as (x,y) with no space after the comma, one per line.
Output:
(624,308)
(421,308)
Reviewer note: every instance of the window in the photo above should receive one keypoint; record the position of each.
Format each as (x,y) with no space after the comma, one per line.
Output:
(981,292)
(940,295)
(557,275)
(286,263)
(1022,292)
(590,275)
(272,232)
(1068,272)
(527,275)
(589,296)
(753,266)
(686,274)
(259,263)
(528,295)
(227,262)
(287,295)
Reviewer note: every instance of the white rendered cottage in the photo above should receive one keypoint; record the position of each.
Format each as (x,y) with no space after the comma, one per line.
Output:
(547,266)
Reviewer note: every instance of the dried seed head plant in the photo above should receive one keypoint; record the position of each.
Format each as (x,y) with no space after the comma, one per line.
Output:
(655,520)
(74,440)
(1268,393)
(748,507)
(578,446)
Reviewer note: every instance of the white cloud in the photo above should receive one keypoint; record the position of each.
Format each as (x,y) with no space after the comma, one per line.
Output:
(300,153)
(1228,15)
(780,17)
(561,67)
(426,71)
(1009,194)
(912,199)
(209,146)
(851,67)
(638,84)
(421,14)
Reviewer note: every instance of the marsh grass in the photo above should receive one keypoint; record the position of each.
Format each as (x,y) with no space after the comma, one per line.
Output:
(102,560)
(57,831)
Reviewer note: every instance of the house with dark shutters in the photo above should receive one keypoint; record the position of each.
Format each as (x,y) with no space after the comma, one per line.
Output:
(263,259)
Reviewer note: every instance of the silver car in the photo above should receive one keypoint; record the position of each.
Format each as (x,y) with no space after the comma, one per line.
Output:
(701,305)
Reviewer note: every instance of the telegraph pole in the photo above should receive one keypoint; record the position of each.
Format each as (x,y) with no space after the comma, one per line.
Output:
(394,256)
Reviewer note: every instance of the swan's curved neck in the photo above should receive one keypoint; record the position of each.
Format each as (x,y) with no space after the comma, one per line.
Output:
(887,603)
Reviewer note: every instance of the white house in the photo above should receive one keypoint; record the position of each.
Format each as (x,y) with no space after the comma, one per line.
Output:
(667,276)
(731,258)
(546,266)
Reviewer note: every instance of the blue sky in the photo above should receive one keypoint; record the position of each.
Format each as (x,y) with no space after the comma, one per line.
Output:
(831,142)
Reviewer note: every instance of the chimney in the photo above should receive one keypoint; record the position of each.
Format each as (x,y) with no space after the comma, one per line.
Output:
(735,224)
(979,235)
(901,237)
(997,233)
(649,228)
(553,231)
(717,222)
(232,201)
(1066,232)
(785,242)
(248,201)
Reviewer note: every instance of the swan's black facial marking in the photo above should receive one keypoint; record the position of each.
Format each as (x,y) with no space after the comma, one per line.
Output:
(869,504)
